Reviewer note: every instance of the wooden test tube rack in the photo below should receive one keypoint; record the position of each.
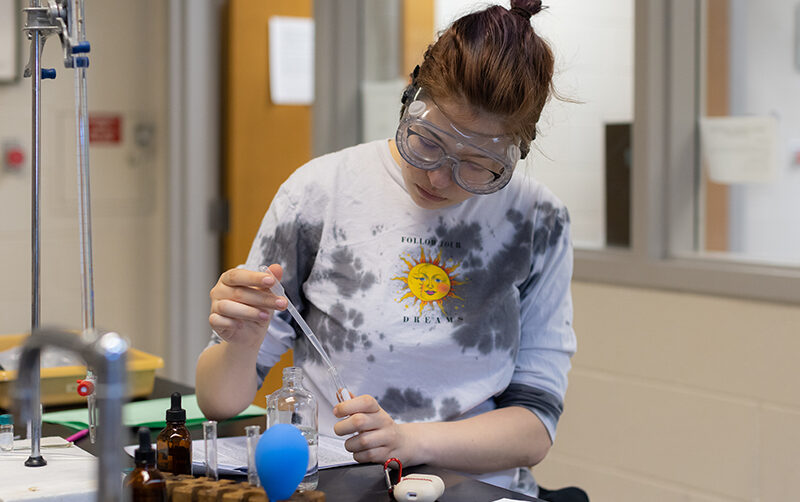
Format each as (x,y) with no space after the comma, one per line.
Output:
(185,488)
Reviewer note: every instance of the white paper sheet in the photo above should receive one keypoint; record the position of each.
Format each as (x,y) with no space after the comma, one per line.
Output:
(44,443)
(232,454)
(740,149)
(70,474)
(291,60)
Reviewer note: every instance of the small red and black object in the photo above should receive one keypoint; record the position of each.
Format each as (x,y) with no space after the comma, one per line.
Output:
(389,484)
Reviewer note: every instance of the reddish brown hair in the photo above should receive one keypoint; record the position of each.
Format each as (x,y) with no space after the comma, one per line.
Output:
(495,61)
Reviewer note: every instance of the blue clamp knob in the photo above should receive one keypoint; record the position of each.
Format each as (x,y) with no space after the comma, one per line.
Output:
(49,73)
(81,48)
(81,62)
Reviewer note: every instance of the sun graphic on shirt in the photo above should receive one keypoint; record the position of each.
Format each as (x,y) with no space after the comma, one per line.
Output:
(429,281)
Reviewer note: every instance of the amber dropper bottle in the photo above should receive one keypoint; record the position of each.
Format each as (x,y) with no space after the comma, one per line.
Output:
(145,483)
(174,443)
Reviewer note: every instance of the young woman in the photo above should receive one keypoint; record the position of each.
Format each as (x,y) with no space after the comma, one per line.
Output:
(437,281)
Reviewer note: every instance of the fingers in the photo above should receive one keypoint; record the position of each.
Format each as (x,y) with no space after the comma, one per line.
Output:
(256,298)
(360,404)
(237,331)
(367,440)
(236,310)
(242,303)
(363,414)
(276,270)
(374,456)
(223,325)
(353,424)
(372,446)
(248,288)
(249,278)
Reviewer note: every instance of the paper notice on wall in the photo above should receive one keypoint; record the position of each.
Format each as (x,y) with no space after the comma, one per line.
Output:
(740,149)
(291,60)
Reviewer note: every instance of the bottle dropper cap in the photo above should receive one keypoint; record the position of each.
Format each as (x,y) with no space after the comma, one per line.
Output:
(176,413)
(144,454)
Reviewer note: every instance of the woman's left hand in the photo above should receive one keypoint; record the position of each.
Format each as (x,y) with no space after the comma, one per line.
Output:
(378,438)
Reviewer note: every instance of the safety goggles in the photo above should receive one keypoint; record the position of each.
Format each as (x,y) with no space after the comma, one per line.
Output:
(427,139)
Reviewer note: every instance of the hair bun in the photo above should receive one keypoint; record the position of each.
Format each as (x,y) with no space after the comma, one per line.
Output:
(526,8)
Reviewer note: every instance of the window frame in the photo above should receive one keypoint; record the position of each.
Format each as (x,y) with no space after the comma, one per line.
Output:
(665,183)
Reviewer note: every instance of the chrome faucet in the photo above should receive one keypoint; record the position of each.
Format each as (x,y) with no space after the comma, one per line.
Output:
(106,354)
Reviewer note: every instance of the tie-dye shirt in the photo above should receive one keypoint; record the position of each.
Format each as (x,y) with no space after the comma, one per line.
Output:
(439,314)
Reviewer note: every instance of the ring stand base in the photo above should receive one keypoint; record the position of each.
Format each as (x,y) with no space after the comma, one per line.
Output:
(35,462)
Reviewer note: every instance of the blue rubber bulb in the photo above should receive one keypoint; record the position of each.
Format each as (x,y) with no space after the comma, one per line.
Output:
(281,460)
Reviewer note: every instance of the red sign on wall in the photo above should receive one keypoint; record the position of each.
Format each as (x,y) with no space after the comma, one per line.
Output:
(105,129)
(13,157)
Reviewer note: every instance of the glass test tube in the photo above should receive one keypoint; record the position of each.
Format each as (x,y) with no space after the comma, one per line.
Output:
(252,432)
(210,442)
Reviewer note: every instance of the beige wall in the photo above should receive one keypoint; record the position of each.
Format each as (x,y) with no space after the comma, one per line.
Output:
(127,77)
(680,397)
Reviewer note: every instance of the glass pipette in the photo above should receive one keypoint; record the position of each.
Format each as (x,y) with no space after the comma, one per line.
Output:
(342,394)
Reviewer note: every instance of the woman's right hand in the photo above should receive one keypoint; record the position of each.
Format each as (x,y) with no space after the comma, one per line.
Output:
(242,305)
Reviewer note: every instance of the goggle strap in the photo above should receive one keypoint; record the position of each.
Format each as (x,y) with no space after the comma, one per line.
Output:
(410,91)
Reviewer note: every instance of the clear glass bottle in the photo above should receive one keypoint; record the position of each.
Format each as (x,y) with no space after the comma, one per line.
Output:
(293,404)
(6,432)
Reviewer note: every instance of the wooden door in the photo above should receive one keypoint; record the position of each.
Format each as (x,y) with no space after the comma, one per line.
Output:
(263,142)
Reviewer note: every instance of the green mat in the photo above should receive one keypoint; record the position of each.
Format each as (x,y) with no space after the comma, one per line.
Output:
(150,413)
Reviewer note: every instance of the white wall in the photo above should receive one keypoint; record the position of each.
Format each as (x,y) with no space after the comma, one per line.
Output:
(765,80)
(593,46)
(677,396)
(127,76)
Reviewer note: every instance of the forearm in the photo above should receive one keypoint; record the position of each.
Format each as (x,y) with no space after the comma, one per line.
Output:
(492,441)
(225,380)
